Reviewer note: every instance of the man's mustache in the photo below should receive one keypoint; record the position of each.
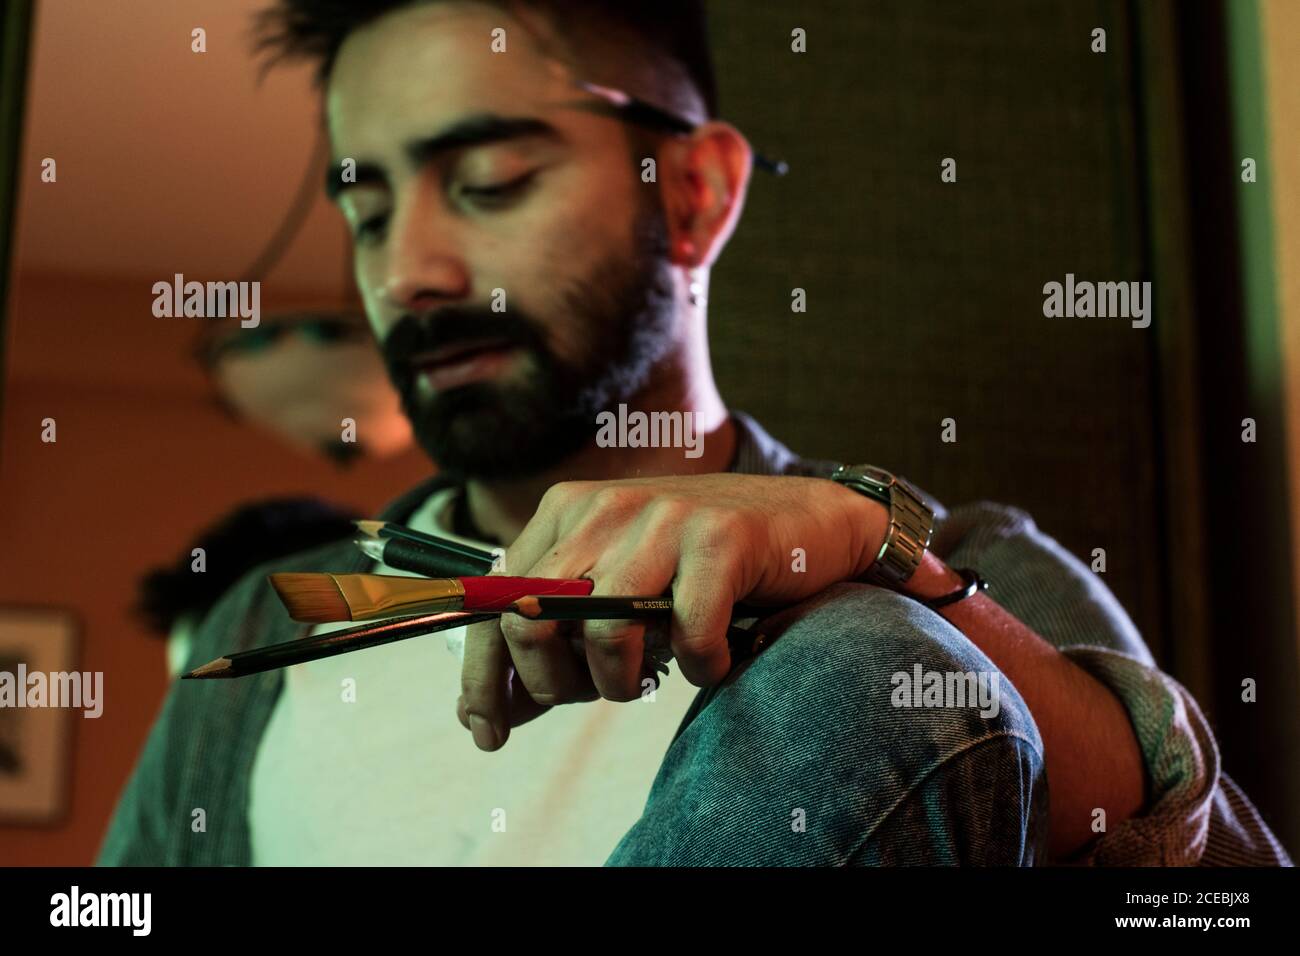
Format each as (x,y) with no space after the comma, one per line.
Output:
(415,335)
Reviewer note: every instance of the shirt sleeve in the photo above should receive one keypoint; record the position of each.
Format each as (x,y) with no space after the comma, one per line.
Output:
(1193,814)
(1181,760)
(136,833)
(152,822)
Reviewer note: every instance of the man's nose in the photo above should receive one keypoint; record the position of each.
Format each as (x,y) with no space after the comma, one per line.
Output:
(425,264)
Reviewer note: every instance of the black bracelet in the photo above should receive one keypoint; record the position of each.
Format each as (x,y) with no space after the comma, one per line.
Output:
(973,583)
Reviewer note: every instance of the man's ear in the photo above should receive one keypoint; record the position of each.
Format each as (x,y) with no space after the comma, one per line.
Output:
(703,178)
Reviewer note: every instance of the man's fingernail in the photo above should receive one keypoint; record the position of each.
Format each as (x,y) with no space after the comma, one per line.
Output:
(485,738)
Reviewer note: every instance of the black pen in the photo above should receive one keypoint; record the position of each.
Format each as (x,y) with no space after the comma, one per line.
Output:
(409,550)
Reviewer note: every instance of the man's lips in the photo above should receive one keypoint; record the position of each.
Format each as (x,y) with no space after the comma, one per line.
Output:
(454,352)
(464,363)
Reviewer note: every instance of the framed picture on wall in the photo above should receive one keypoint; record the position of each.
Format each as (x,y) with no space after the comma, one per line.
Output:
(40,697)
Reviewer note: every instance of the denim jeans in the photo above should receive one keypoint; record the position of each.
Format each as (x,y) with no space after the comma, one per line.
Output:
(810,754)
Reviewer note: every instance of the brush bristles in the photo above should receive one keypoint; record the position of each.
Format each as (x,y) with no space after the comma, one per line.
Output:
(311,598)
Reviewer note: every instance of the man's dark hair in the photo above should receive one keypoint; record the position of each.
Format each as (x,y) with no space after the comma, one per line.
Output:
(674,30)
(252,534)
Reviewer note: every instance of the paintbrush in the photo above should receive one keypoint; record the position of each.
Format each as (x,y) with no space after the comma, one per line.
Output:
(321,598)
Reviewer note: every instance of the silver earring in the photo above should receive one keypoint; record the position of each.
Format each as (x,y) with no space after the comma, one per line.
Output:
(698,298)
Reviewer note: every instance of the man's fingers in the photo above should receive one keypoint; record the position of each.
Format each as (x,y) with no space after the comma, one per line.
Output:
(485,685)
(522,706)
(615,657)
(546,664)
(543,660)
(541,650)
(538,537)
(701,615)
(616,649)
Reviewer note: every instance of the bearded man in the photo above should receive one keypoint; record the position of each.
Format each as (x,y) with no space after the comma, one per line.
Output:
(523,277)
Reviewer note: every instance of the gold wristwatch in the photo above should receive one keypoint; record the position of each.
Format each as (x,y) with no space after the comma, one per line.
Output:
(911,521)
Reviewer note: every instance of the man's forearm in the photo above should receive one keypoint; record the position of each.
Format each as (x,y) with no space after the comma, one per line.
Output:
(1092,755)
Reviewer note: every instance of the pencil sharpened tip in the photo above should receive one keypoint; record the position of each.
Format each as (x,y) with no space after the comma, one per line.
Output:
(218,668)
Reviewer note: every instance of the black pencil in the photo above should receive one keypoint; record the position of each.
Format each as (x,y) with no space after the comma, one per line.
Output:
(604,607)
(243,663)
(608,607)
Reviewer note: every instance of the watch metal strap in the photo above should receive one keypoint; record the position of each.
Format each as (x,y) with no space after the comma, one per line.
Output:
(911,522)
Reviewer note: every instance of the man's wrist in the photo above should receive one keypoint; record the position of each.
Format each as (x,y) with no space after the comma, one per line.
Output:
(933,579)
(909,523)
(867,521)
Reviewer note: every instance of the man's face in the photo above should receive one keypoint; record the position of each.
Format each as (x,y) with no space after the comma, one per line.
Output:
(513,264)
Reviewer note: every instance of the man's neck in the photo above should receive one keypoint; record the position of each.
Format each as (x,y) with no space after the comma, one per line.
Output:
(501,509)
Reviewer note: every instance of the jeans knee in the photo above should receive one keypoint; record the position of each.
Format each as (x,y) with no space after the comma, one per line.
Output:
(865,655)
(863,704)
(821,751)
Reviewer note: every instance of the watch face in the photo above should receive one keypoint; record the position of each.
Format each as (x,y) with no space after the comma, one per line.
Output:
(870,474)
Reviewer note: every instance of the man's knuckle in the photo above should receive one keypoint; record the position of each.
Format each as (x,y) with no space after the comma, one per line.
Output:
(560,495)
(611,498)
(713,526)
(612,641)
(696,640)
(667,512)
(475,688)
(524,634)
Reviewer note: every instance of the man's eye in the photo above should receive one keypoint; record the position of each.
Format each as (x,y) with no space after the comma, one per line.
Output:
(496,192)
(370,228)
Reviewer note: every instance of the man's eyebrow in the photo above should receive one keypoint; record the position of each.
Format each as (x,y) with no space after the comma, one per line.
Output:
(365,173)
(480,129)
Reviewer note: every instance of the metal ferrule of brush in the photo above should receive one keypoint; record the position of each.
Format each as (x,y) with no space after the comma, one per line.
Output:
(376,595)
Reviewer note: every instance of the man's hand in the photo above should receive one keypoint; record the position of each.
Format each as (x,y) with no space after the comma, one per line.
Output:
(713,540)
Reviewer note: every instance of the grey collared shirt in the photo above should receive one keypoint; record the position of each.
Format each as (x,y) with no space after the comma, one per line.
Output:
(201,750)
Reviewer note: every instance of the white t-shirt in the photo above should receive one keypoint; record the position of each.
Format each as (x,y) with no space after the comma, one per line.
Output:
(380,771)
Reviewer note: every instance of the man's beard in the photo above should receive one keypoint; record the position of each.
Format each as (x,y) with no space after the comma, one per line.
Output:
(492,431)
